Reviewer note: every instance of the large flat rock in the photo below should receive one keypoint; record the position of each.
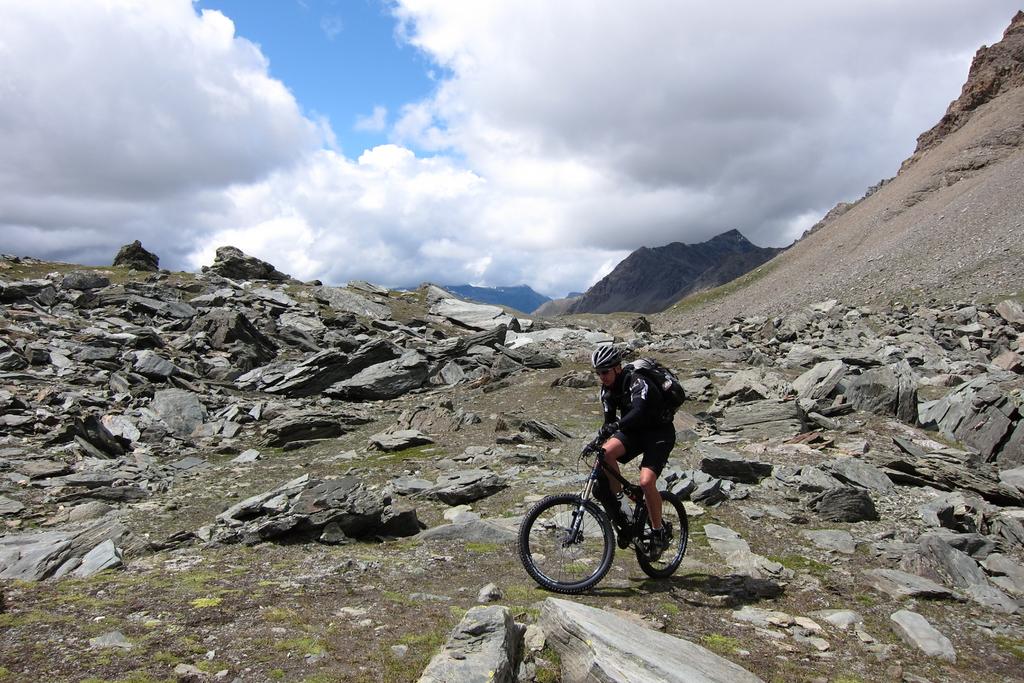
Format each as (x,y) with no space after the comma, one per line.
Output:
(595,645)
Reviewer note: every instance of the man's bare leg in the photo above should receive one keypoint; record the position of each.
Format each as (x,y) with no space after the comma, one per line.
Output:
(613,450)
(649,483)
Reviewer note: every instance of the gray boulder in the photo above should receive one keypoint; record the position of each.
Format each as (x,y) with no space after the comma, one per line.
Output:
(761,420)
(858,473)
(820,381)
(595,645)
(399,440)
(385,380)
(844,504)
(232,262)
(179,409)
(466,486)
(484,646)
(332,510)
(35,556)
(135,256)
(84,280)
(345,300)
(724,464)
(916,631)
(899,584)
(888,390)
(474,316)
(475,530)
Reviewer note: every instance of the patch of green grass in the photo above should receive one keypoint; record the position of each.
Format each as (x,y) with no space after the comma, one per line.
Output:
(422,646)
(723,645)
(549,665)
(283,615)
(695,528)
(522,594)
(482,547)
(213,666)
(36,616)
(669,608)
(801,563)
(277,674)
(847,678)
(168,658)
(699,299)
(203,603)
(5,673)
(307,645)
(865,599)
(1014,646)
(395,596)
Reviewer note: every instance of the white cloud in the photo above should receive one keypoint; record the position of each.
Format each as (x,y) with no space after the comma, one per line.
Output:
(560,136)
(332,26)
(746,115)
(375,122)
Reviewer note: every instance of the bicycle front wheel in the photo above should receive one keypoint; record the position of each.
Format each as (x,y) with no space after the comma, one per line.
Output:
(663,563)
(566,543)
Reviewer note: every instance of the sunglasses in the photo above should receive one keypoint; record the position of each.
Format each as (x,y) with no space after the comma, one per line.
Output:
(602,373)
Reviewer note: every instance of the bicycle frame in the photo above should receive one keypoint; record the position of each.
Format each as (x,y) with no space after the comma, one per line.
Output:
(631,489)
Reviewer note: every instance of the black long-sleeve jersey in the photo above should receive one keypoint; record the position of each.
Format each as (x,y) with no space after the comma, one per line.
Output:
(637,400)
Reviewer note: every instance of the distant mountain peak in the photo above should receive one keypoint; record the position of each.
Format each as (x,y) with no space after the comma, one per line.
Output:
(520,297)
(653,278)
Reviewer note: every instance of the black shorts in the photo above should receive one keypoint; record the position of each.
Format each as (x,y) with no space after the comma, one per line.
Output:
(655,443)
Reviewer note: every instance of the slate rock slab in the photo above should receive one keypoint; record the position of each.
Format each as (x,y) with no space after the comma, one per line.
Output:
(35,556)
(476,530)
(333,509)
(385,380)
(484,646)
(135,256)
(844,504)
(180,410)
(856,472)
(899,584)
(724,464)
(399,440)
(888,390)
(916,631)
(466,486)
(9,506)
(596,645)
(761,420)
(836,540)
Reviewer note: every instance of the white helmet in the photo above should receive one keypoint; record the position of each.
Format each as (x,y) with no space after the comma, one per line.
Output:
(605,356)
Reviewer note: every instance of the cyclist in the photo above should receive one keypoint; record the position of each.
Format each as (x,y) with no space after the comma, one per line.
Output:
(643,426)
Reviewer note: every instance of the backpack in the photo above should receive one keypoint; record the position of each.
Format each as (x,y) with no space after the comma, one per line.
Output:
(671,390)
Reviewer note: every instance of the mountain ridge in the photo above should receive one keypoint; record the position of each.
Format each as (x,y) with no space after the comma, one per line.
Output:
(652,278)
(520,297)
(947,227)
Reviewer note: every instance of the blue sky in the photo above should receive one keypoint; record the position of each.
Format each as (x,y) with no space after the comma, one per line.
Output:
(341,59)
(519,141)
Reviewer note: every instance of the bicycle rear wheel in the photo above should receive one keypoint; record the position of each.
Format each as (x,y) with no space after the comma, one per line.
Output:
(660,565)
(566,543)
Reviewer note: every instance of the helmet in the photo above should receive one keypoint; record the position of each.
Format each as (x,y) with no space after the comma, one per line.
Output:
(605,356)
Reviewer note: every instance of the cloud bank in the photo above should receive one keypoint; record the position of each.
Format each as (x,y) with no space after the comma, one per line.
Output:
(560,137)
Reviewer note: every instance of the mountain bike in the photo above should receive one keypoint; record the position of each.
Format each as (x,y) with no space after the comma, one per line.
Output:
(567,541)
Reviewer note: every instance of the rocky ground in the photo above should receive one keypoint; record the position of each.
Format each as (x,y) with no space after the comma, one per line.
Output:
(210,477)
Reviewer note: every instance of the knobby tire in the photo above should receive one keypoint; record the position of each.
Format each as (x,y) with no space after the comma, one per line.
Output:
(668,562)
(554,558)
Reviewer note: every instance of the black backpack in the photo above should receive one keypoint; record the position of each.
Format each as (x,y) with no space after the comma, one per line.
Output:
(671,390)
